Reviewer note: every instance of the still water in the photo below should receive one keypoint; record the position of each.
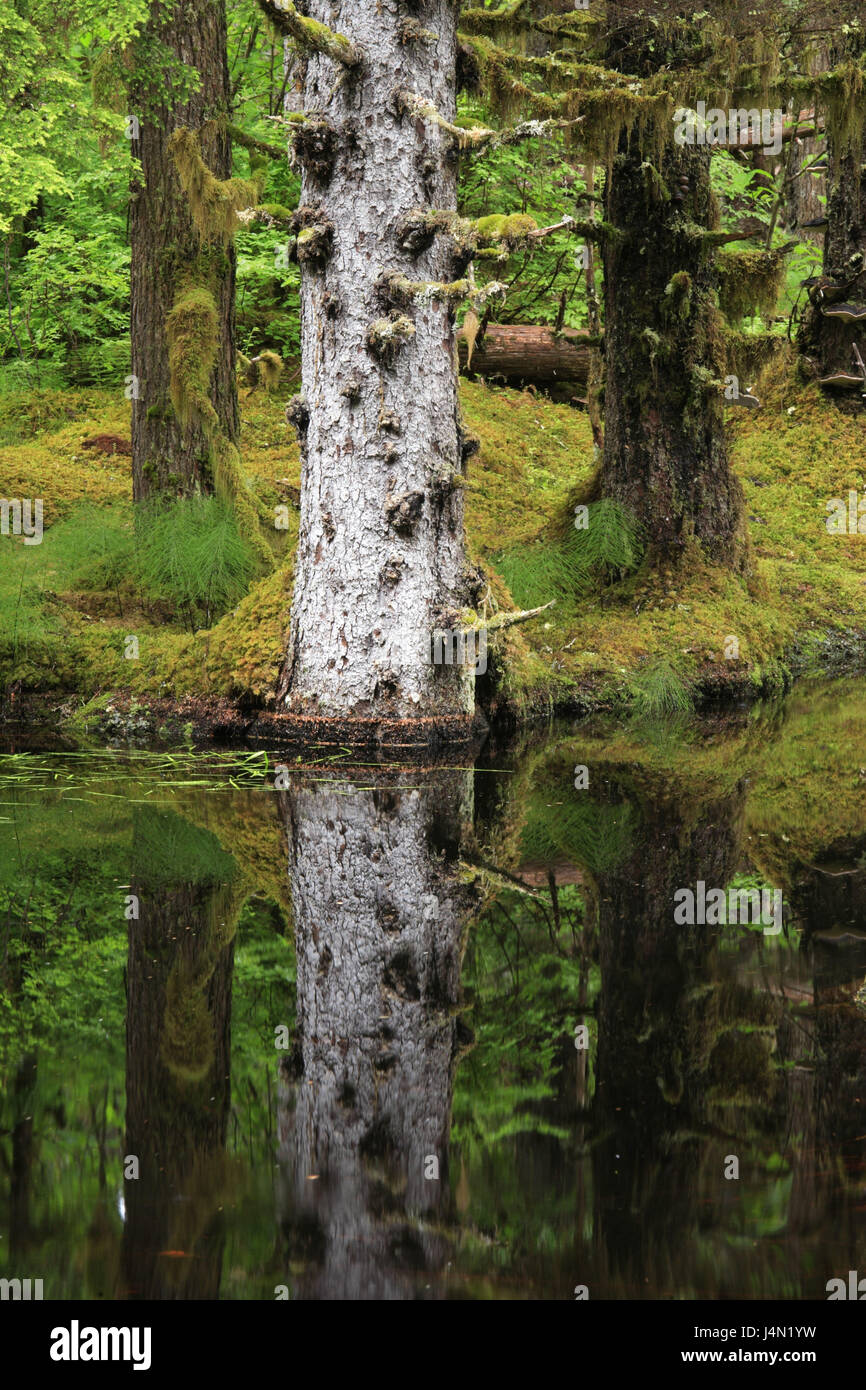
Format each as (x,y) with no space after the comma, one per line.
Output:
(434,1032)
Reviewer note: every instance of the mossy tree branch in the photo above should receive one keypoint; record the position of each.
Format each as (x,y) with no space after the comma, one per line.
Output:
(249,142)
(503,620)
(309,35)
(477,137)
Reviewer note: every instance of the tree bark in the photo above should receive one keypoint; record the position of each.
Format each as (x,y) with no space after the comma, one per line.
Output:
(380,558)
(828,341)
(166,253)
(518,353)
(380,920)
(665,455)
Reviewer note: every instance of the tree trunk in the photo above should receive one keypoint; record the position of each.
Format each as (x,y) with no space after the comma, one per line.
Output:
(381,552)
(166,253)
(519,353)
(380,914)
(668,1059)
(665,455)
(825,339)
(178,1085)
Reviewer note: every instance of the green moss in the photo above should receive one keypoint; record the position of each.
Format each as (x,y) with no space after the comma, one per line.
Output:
(806,598)
(512,231)
(277,211)
(214,203)
(750,283)
(192,329)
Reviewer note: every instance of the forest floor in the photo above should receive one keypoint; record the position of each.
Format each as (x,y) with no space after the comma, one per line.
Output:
(66,613)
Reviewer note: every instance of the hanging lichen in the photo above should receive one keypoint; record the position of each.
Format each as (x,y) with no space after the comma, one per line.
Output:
(471,327)
(108,79)
(214,203)
(840,96)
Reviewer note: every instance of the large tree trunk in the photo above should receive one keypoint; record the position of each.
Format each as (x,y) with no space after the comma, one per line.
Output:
(380,916)
(166,253)
(665,455)
(827,340)
(521,353)
(381,552)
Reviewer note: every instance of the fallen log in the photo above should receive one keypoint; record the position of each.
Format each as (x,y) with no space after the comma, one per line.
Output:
(530,353)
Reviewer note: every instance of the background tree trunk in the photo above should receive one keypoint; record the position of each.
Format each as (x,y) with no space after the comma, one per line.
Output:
(665,455)
(828,341)
(381,551)
(178,1083)
(165,246)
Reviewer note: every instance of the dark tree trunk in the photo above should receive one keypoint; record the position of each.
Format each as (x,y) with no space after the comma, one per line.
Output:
(669,1044)
(24,1156)
(178,1087)
(827,341)
(166,253)
(665,453)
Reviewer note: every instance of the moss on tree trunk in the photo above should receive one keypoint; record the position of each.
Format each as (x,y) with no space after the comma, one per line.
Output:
(665,454)
(169,456)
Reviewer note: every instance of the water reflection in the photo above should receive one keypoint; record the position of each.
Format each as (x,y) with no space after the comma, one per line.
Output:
(436,945)
(178,1082)
(380,918)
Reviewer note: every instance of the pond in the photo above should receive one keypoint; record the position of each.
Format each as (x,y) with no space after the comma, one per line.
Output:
(274,1028)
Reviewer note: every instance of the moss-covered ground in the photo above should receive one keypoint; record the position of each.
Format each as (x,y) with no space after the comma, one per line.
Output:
(64,621)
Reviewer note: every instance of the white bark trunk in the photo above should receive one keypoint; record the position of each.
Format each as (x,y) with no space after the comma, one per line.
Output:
(380,923)
(381,557)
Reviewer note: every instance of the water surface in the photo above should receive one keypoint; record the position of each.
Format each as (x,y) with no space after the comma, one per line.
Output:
(396,1033)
